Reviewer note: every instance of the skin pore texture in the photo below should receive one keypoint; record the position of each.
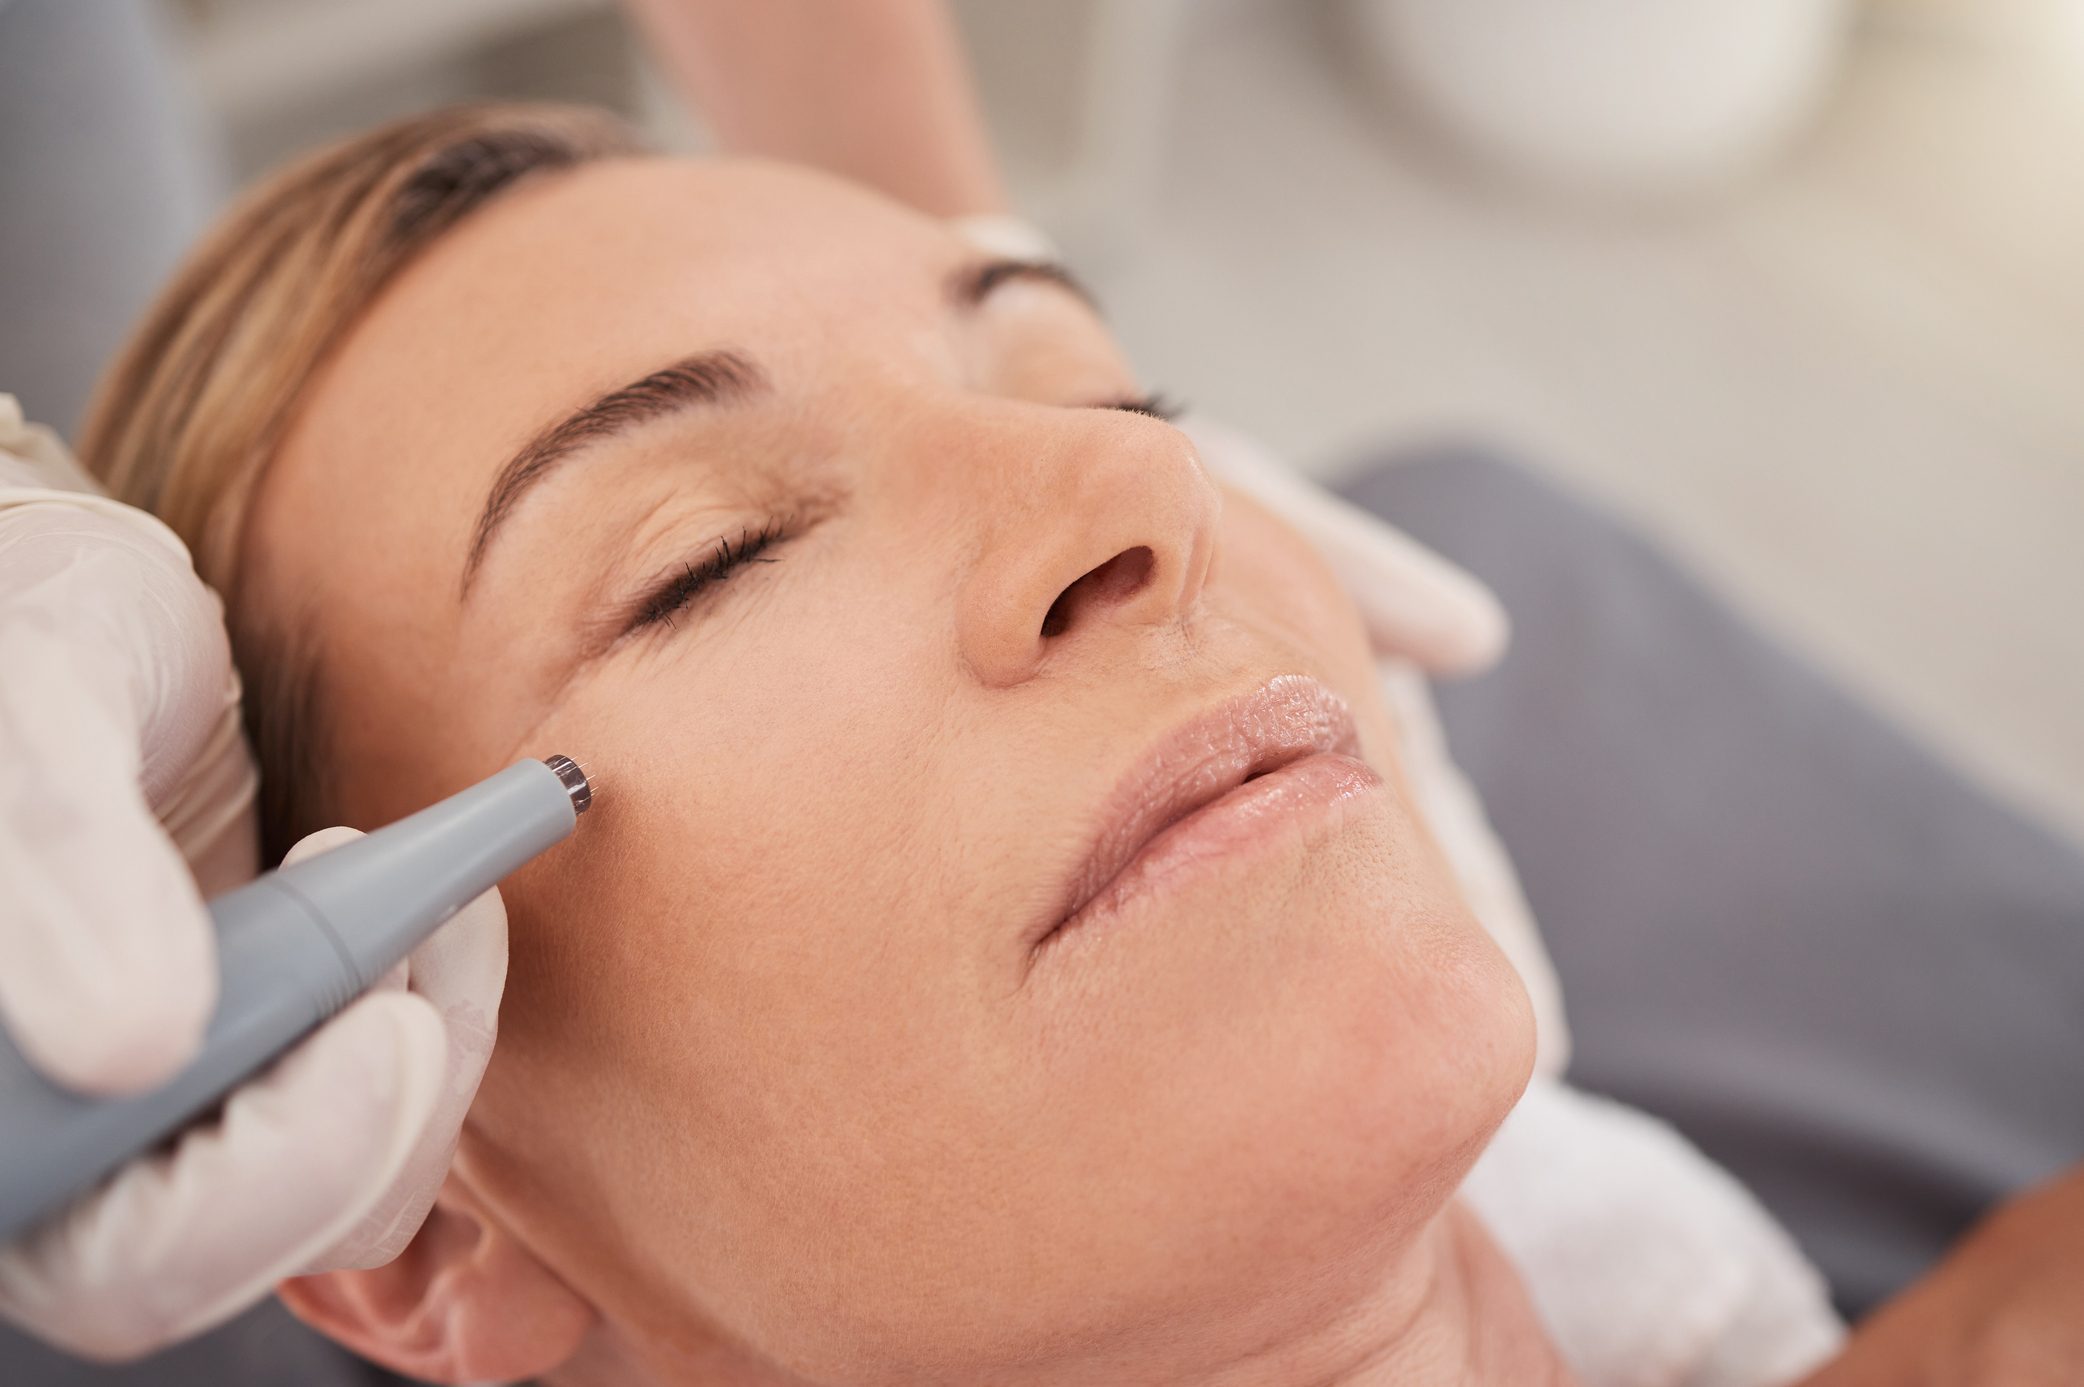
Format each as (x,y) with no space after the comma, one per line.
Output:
(784,1090)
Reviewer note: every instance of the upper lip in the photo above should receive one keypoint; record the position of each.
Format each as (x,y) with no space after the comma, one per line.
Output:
(1201,760)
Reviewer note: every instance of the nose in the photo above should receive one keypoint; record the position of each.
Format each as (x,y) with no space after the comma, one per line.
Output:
(1092,521)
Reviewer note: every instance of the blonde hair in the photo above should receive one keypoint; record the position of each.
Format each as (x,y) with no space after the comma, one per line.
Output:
(200,399)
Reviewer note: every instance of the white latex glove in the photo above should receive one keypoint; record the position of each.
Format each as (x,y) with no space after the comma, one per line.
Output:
(330,1159)
(122,771)
(118,735)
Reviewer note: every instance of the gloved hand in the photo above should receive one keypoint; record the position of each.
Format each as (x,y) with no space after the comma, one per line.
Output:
(120,757)
(328,1160)
(1417,605)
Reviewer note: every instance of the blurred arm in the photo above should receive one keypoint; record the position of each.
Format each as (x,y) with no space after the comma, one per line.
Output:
(872,90)
(2000,1311)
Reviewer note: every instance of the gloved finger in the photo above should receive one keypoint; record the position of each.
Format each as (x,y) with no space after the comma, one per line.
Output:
(179,1242)
(325,840)
(134,612)
(1416,604)
(136,616)
(462,967)
(107,963)
(461,972)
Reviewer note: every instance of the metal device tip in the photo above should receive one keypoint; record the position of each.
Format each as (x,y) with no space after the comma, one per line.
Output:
(574,779)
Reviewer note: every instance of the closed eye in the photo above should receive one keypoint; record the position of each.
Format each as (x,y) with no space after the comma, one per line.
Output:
(664,603)
(1157,405)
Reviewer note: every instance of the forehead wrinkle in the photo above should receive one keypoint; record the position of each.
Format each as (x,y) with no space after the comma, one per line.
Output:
(706,378)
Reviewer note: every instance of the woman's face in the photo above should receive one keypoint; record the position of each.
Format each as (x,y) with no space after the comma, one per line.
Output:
(890,636)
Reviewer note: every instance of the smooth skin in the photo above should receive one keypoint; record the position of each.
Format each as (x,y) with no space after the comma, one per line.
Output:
(782,1093)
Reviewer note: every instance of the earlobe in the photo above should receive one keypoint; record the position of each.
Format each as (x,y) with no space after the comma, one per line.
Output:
(465,1302)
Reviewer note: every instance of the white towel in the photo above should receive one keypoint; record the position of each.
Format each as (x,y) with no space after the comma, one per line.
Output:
(1649,1264)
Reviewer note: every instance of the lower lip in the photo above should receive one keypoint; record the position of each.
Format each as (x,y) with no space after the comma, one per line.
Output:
(1258,813)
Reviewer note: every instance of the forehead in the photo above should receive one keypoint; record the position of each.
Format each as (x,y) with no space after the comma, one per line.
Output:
(589,278)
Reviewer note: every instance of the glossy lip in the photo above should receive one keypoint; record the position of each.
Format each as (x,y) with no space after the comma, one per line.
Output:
(1217,758)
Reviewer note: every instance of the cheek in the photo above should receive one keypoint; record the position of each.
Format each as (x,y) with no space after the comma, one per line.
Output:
(1267,567)
(735,994)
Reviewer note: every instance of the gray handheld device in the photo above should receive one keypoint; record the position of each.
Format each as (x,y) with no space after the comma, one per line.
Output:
(294,946)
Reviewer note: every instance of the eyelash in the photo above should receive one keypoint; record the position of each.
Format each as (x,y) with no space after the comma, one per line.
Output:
(672,597)
(1157,404)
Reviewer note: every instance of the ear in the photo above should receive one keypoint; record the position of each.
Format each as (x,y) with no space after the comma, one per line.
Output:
(465,1302)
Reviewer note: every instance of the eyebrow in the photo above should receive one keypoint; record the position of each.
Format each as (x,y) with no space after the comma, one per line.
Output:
(707,378)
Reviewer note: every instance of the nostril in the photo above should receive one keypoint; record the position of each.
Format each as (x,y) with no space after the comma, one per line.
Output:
(1117,580)
(1120,577)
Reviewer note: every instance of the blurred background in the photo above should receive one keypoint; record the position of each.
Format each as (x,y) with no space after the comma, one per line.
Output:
(1798,284)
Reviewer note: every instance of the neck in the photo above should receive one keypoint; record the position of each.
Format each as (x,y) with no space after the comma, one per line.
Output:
(1455,1315)
(1468,1322)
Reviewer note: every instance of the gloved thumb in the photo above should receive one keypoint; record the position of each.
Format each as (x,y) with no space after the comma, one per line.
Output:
(460,973)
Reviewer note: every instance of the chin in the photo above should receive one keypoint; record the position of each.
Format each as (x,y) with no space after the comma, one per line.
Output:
(1344,955)
(1370,1074)
(1293,1067)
